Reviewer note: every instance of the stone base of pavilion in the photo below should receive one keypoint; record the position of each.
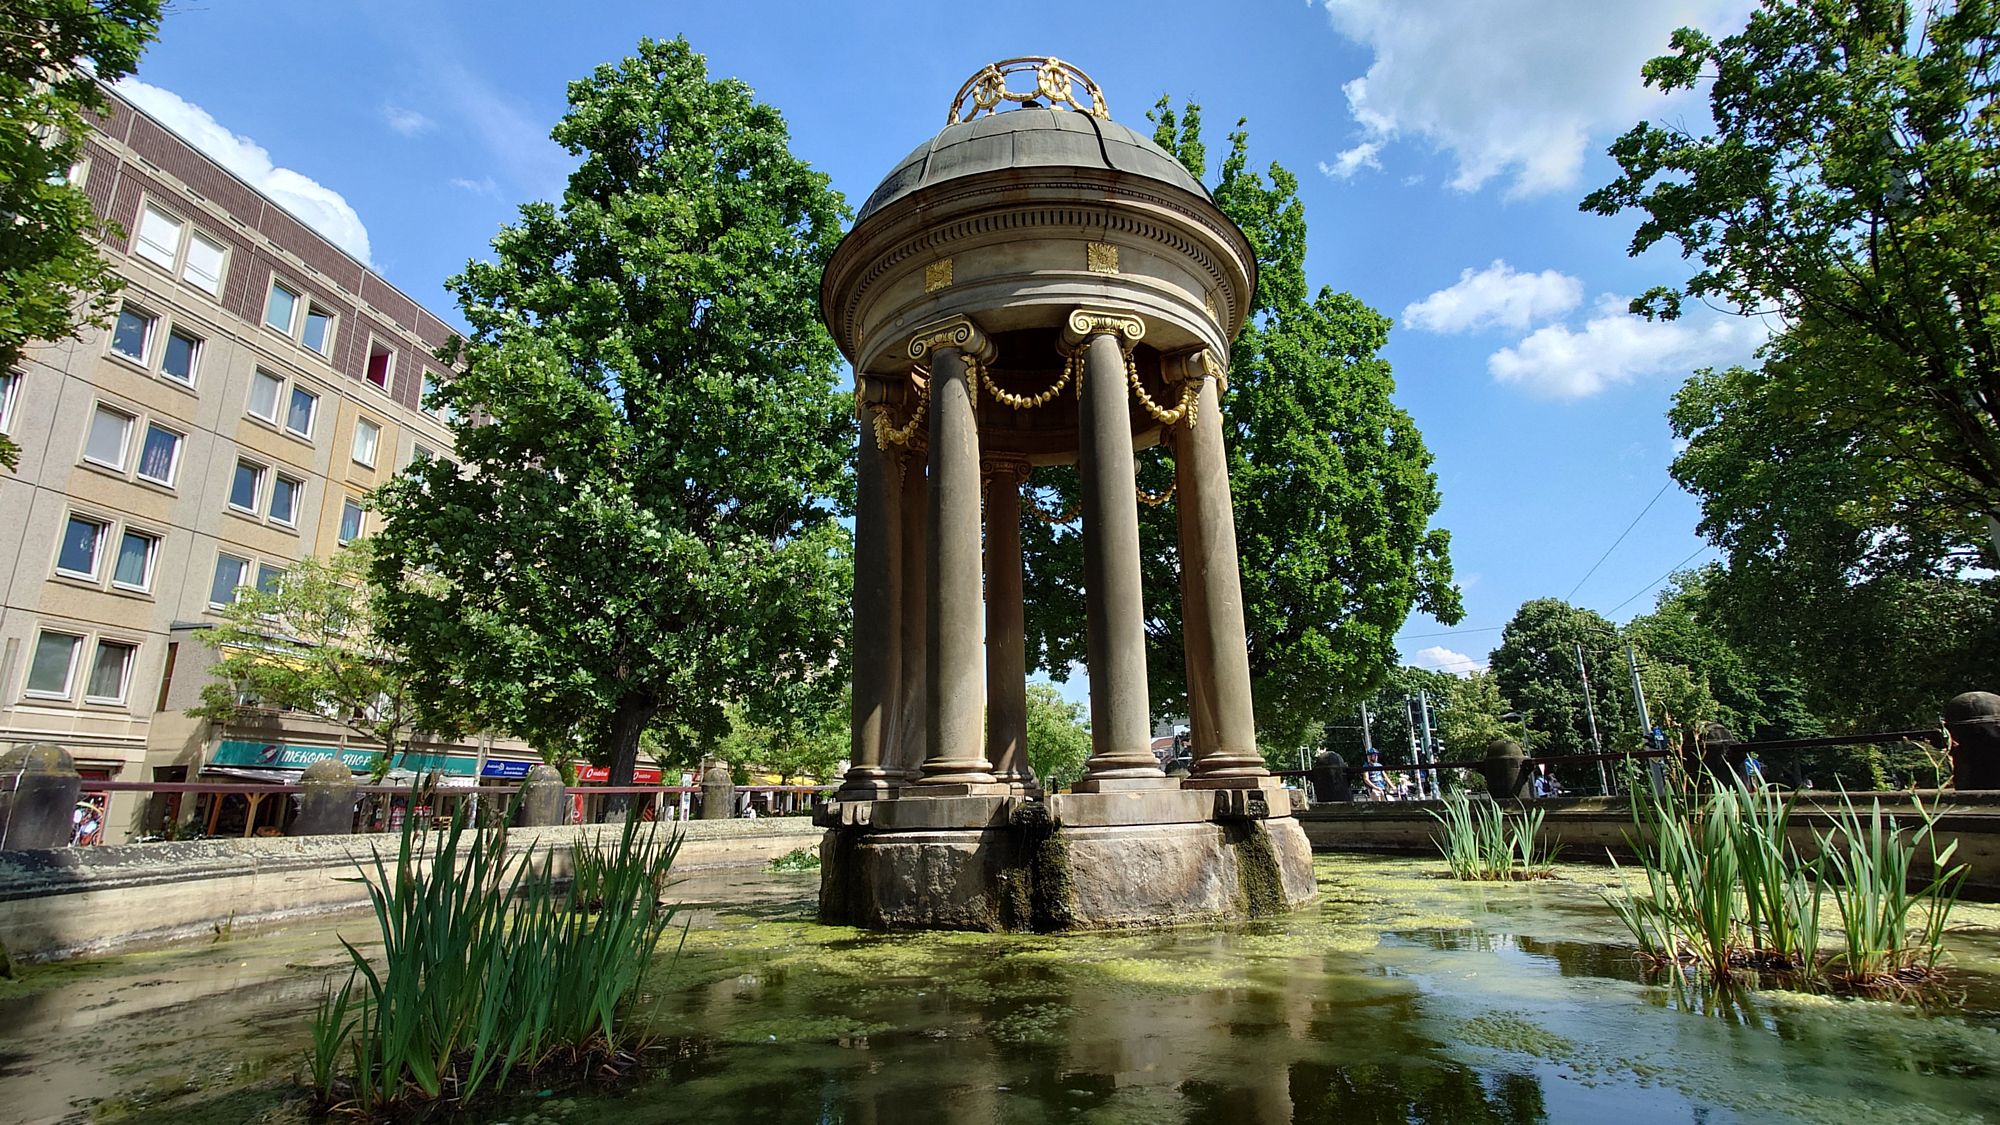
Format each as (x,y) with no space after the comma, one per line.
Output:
(1071,861)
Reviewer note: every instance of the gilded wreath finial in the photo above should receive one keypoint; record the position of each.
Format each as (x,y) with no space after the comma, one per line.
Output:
(1056,83)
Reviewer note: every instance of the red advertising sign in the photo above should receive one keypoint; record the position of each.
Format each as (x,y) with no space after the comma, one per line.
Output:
(602,774)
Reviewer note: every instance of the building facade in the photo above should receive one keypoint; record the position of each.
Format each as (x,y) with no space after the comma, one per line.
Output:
(256,383)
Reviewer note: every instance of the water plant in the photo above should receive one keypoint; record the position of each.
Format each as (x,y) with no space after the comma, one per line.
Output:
(798,859)
(491,963)
(1481,842)
(1870,860)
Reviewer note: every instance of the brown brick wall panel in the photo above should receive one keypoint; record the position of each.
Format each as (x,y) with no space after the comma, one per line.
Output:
(102,176)
(208,179)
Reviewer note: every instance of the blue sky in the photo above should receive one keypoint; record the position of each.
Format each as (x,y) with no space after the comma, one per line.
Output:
(1441,147)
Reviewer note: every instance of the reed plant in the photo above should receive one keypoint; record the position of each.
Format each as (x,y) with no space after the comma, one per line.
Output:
(1481,842)
(1870,861)
(490,964)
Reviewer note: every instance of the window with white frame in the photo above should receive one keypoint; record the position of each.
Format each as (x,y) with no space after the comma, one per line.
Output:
(111,672)
(110,433)
(381,366)
(351,520)
(159,240)
(52,670)
(269,577)
(299,414)
(230,573)
(425,396)
(285,499)
(159,455)
(281,307)
(265,391)
(246,486)
(10,390)
(132,334)
(367,439)
(81,548)
(204,265)
(318,334)
(181,357)
(137,552)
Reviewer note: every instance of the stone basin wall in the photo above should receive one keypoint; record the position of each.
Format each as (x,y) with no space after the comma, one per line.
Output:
(74,902)
(1589,828)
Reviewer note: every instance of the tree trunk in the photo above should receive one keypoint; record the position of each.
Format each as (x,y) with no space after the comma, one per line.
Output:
(627,723)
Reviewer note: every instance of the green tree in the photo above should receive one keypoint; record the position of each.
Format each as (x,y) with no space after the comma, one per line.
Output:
(312,643)
(1389,715)
(623,540)
(1691,670)
(1471,717)
(812,745)
(1058,737)
(1535,669)
(1850,181)
(1332,486)
(53,54)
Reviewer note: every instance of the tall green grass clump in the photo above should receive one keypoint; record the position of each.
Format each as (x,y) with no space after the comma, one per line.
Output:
(1481,842)
(1728,893)
(490,964)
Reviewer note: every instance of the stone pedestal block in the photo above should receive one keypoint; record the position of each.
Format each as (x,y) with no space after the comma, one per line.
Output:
(1506,770)
(718,793)
(326,808)
(542,798)
(44,790)
(1329,778)
(1974,721)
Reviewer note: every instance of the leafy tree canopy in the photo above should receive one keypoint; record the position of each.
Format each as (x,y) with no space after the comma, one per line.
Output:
(1331,480)
(1471,717)
(653,449)
(1058,737)
(53,53)
(1850,181)
(1535,669)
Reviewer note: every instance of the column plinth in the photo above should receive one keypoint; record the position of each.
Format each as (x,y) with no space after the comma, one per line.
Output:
(1121,729)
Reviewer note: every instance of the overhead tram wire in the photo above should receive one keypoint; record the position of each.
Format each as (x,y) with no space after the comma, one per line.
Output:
(1662,578)
(1620,539)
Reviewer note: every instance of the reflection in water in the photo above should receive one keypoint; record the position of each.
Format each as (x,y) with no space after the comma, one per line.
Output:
(1400,998)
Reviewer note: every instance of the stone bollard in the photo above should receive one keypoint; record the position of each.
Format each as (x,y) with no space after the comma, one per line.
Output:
(1506,770)
(542,798)
(718,793)
(326,808)
(39,788)
(1720,753)
(1974,722)
(1329,778)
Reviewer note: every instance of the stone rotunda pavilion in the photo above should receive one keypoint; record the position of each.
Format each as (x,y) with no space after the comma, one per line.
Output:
(1040,286)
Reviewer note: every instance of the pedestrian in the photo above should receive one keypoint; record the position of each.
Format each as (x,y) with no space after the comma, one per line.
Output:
(1374,780)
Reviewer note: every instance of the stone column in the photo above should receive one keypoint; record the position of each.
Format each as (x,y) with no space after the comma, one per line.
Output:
(955,762)
(877,622)
(543,802)
(1222,725)
(36,812)
(1121,729)
(1006,656)
(326,808)
(906,750)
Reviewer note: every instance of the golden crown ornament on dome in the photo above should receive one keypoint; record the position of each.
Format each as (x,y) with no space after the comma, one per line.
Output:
(1056,85)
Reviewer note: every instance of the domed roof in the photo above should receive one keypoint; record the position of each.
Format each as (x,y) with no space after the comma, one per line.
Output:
(1028,138)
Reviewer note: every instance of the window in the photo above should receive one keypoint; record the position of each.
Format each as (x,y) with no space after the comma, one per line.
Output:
(299,418)
(281,307)
(183,353)
(159,455)
(10,389)
(52,671)
(430,387)
(350,520)
(203,269)
(285,500)
(367,436)
(264,391)
(319,330)
(159,240)
(381,364)
(421,452)
(111,672)
(246,486)
(268,578)
(229,573)
(136,553)
(82,543)
(109,432)
(132,336)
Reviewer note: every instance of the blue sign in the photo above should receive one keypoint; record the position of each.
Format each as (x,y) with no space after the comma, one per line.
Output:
(496,768)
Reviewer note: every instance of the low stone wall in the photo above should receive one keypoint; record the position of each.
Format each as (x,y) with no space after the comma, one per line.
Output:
(84,901)
(1589,828)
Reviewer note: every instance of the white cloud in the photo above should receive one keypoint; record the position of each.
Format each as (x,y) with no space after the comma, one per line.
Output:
(1497,296)
(484,186)
(1615,347)
(1515,88)
(1441,659)
(313,203)
(406,121)
(1353,160)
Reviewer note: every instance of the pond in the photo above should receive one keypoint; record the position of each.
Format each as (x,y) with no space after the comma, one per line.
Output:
(1399,996)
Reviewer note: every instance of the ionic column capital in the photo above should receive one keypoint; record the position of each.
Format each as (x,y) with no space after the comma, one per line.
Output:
(1194,365)
(1004,466)
(1083,323)
(956,333)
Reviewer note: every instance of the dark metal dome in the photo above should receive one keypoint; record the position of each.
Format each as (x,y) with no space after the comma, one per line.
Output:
(1028,138)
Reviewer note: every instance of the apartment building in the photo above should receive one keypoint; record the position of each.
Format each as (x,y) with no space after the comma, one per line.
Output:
(257,382)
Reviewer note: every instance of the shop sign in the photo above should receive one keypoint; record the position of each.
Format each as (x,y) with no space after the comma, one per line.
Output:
(294,756)
(600,774)
(512,771)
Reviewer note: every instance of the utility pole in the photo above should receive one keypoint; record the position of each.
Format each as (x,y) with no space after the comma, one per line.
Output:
(1654,768)
(1590,714)
(1416,740)
(1430,744)
(1367,732)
